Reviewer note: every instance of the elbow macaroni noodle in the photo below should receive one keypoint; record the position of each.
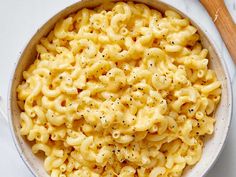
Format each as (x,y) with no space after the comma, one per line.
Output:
(120,90)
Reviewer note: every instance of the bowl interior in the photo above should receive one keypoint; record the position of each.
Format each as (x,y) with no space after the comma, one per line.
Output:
(214,143)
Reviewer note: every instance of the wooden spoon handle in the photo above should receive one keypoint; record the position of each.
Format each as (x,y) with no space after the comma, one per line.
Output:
(224,22)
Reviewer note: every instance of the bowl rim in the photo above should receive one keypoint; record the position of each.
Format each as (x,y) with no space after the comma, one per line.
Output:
(192,19)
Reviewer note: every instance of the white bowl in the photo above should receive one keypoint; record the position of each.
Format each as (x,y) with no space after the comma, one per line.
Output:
(213,144)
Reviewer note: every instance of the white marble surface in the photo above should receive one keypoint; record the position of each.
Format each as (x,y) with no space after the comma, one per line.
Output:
(21,19)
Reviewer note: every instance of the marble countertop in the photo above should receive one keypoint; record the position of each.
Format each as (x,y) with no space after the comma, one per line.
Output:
(21,19)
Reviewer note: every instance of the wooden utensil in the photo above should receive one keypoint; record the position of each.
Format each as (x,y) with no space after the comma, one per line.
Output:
(224,22)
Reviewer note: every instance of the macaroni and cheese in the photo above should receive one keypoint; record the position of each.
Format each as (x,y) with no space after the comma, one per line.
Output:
(119,90)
